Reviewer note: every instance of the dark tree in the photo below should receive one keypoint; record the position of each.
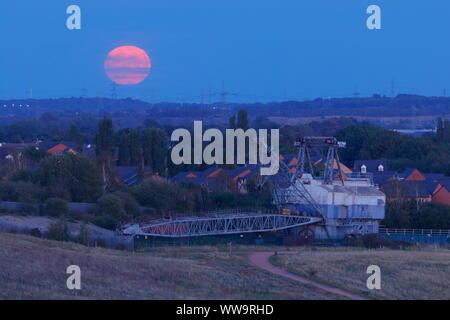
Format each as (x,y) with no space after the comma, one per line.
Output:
(105,149)
(242,120)
(75,135)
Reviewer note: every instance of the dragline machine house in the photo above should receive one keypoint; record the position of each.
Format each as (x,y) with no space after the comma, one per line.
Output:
(349,204)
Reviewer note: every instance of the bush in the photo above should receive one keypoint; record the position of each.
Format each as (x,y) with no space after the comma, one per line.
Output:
(373,241)
(71,176)
(83,236)
(59,231)
(131,206)
(55,207)
(20,191)
(111,205)
(105,221)
(370,241)
(110,211)
(405,215)
(164,196)
(35,232)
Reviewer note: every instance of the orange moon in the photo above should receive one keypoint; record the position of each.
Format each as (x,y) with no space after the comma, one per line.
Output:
(127,65)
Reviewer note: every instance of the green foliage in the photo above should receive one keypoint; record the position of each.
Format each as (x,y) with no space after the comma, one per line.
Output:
(55,207)
(35,154)
(431,216)
(75,135)
(105,144)
(402,151)
(20,191)
(25,175)
(124,150)
(71,177)
(232,122)
(83,235)
(242,120)
(404,214)
(35,232)
(59,231)
(111,205)
(105,221)
(163,196)
(372,241)
(160,143)
(148,147)
(130,204)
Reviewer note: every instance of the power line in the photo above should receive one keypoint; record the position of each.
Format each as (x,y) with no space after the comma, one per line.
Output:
(223,94)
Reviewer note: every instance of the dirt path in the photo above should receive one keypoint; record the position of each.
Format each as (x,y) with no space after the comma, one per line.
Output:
(261,260)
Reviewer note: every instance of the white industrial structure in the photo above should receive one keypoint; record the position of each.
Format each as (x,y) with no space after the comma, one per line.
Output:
(349,204)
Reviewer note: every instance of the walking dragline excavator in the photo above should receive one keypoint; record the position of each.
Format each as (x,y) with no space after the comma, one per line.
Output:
(347,204)
(333,205)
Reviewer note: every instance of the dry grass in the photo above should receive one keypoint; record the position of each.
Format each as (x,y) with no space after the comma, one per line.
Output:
(32,268)
(411,274)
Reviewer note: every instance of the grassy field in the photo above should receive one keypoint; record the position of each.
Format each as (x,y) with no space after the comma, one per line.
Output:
(405,274)
(33,268)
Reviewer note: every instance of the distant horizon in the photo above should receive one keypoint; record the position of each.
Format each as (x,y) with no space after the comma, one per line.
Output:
(228,102)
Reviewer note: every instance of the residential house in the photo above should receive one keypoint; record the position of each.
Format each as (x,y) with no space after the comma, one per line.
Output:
(128,175)
(219,179)
(209,179)
(370,166)
(412,174)
(442,193)
(423,187)
(58,148)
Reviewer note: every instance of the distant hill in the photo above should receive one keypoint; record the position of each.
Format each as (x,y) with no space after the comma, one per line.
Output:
(403,104)
(376,106)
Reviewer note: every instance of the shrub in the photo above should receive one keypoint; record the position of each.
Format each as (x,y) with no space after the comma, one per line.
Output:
(131,206)
(83,236)
(373,241)
(59,231)
(165,196)
(105,221)
(72,176)
(111,205)
(20,191)
(55,207)
(35,232)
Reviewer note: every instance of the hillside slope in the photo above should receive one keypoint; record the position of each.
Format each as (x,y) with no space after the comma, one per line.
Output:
(33,268)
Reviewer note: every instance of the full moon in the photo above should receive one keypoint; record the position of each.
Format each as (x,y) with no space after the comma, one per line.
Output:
(127,65)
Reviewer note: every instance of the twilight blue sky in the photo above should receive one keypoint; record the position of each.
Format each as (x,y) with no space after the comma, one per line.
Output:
(263,49)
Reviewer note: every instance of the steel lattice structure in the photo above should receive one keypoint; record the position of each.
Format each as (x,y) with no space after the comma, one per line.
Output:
(227,224)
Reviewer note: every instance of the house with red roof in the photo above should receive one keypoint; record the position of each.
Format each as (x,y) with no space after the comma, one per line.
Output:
(442,193)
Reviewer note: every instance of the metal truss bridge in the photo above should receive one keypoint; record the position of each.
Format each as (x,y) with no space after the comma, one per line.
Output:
(221,225)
